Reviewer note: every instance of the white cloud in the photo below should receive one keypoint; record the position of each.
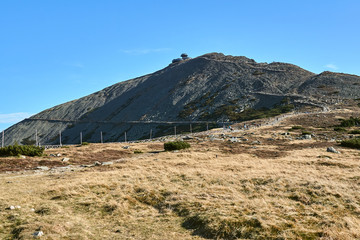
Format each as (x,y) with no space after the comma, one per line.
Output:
(331,66)
(13,117)
(144,51)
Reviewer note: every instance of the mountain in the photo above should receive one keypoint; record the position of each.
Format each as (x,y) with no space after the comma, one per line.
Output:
(211,87)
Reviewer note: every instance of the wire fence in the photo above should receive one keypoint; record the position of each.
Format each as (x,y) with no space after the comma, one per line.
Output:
(168,129)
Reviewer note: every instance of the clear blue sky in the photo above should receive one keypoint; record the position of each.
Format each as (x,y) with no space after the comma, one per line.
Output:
(52,52)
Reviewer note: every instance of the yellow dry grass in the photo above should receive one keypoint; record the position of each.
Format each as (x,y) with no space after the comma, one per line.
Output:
(278,189)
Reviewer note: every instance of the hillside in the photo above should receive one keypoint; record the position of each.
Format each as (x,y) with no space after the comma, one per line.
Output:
(211,87)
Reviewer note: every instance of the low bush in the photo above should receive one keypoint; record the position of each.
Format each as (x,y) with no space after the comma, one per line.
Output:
(306,133)
(357,131)
(296,128)
(17,150)
(137,151)
(350,122)
(339,129)
(171,146)
(351,143)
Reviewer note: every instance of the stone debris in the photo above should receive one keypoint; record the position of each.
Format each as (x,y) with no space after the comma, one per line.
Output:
(65,159)
(97,163)
(58,155)
(306,136)
(331,149)
(233,139)
(107,163)
(188,138)
(87,166)
(43,168)
(22,156)
(13,207)
(38,234)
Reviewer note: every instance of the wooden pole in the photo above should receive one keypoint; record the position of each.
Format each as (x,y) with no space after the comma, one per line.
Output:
(150,134)
(175,130)
(36,138)
(207,126)
(60,138)
(190,128)
(3,139)
(125,136)
(101,137)
(80,138)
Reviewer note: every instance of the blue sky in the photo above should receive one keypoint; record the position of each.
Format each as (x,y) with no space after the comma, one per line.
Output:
(52,52)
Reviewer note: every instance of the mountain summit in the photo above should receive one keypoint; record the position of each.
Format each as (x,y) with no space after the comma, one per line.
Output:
(211,87)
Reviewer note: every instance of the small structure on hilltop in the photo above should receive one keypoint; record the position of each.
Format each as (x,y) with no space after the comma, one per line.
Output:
(184,57)
(176,60)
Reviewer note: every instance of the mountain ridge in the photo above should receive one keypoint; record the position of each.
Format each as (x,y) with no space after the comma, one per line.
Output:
(187,90)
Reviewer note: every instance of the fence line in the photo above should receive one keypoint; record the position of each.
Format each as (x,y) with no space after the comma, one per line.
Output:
(246,125)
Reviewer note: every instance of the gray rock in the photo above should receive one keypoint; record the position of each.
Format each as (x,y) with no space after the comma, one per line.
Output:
(331,149)
(306,136)
(107,163)
(126,147)
(188,138)
(233,139)
(43,168)
(65,159)
(97,163)
(87,166)
(38,234)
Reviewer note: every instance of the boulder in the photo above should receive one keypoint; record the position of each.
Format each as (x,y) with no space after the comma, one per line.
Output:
(107,163)
(44,168)
(38,234)
(331,149)
(306,136)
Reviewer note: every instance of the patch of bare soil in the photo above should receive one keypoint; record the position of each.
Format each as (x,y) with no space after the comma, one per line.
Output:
(19,164)
(320,120)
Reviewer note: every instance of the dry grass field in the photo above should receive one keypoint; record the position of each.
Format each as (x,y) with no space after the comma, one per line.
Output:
(272,186)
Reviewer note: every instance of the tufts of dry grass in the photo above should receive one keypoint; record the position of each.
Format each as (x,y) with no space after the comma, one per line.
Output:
(282,189)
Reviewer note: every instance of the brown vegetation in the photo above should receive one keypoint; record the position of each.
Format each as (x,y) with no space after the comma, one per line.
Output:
(276,188)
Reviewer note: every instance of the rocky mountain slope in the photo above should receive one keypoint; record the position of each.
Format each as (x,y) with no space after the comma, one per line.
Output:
(204,88)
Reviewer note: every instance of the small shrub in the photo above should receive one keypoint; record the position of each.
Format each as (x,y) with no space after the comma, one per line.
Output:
(350,122)
(351,143)
(306,133)
(357,131)
(339,129)
(171,146)
(17,150)
(137,151)
(296,128)
(85,143)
